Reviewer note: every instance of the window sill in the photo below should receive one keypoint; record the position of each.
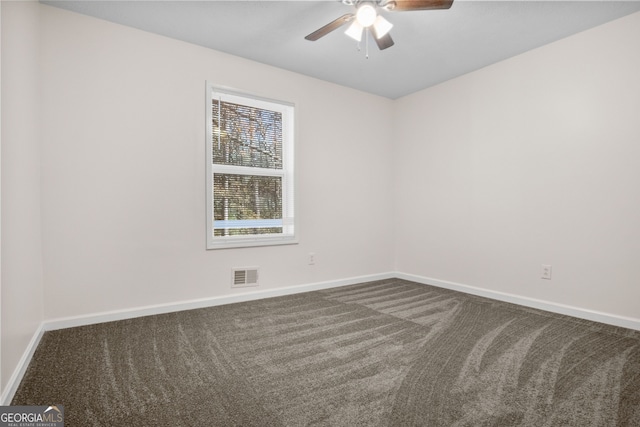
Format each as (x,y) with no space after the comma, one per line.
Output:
(230,243)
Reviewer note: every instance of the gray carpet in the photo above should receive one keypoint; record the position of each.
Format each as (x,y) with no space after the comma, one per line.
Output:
(386,353)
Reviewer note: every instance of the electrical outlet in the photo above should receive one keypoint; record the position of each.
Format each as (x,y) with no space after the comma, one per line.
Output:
(312,258)
(546,271)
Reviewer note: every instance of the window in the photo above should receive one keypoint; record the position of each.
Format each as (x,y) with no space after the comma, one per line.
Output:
(249,170)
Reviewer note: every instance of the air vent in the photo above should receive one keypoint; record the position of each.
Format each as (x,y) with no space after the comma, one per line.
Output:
(246,276)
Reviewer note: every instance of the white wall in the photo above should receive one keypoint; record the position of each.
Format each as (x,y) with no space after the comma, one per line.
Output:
(21,293)
(123,171)
(530,161)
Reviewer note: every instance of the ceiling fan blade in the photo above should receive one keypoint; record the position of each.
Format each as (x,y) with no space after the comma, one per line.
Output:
(333,25)
(384,42)
(408,5)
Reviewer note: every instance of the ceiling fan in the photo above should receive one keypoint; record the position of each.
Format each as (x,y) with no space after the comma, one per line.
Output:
(367,18)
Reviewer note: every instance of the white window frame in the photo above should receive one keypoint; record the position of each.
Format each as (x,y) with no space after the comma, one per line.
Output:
(289,226)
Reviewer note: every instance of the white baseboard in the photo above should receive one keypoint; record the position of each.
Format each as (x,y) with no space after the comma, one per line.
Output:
(69,322)
(23,363)
(581,313)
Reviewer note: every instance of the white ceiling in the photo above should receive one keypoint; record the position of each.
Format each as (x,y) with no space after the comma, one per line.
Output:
(430,46)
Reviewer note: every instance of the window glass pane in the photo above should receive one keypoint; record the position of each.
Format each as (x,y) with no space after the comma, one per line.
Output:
(246,136)
(247,204)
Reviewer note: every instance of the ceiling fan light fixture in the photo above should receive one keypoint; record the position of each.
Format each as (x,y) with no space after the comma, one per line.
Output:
(355,31)
(366,15)
(381,27)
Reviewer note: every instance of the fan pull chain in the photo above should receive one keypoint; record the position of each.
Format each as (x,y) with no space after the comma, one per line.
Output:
(366,42)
